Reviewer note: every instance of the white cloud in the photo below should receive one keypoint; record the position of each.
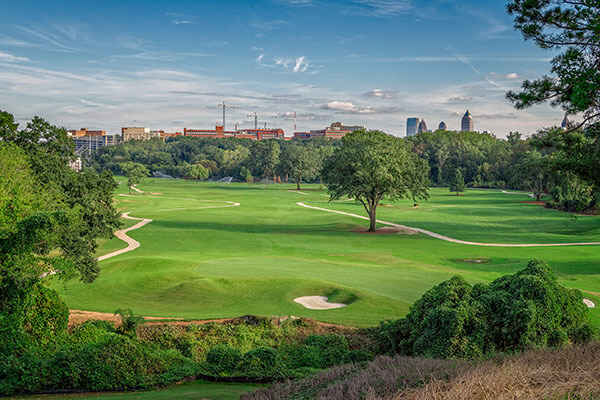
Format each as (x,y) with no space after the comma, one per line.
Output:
(301,64)
(260,58)
(348,107)
(381,94)
(512,75)
(11,58)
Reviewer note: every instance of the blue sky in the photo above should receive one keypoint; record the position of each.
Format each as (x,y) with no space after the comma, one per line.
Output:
(168,64)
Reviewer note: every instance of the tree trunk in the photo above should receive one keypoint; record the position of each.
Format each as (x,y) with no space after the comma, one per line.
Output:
(373,219)
(298,185)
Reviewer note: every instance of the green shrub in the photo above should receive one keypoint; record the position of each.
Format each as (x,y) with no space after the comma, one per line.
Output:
(96,360)
(516,312)
(358,356)
(262,362)
(446,322)
(223,358)
(129,322)
(334,349)
(47,316)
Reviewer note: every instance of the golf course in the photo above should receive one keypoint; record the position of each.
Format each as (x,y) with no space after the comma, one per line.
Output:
(215,250)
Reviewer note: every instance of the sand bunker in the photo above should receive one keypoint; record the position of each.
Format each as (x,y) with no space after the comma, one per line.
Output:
(589,303)
(317,303)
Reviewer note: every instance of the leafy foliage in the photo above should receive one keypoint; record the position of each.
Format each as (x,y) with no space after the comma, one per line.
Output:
(368,166)
(516,312)
(458,184)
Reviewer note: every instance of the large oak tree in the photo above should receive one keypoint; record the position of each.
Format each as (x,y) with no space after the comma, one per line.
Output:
(368,166)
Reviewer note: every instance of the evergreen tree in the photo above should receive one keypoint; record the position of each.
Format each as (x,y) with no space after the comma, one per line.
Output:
(458,184)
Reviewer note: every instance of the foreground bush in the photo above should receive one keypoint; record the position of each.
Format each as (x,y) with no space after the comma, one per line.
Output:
(516,312)
(570,373)
(93,358)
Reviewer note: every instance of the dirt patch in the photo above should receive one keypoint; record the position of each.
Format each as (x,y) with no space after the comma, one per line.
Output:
(537,203)
(481,260)
(77,317)
(155,193)
(388,230)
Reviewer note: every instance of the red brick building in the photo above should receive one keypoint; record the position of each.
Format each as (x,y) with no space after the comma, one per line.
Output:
(219,133)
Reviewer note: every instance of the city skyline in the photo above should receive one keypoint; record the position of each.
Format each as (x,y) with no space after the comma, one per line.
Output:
(169,66)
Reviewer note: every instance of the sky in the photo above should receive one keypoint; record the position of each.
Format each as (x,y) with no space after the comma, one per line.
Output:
(169,64)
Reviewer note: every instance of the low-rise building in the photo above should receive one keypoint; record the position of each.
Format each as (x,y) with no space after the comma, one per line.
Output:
(135,133)
(219,133)
(91,144)
(85,132)
(337,130)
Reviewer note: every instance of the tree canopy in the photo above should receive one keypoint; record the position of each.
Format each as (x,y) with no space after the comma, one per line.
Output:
(368,166)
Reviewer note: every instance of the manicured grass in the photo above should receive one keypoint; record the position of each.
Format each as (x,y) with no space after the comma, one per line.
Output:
(198,390)
(197,261)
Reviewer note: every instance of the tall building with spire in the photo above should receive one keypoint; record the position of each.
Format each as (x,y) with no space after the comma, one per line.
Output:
(422,126)
(466,125)
(443,126)
(412,125)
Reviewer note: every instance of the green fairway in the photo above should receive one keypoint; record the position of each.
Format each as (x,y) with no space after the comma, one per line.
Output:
(198,390)
(203,257)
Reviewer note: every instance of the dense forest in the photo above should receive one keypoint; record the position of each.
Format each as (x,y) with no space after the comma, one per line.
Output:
(534,164)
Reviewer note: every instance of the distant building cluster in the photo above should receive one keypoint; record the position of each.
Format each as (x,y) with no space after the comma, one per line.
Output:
(337,130)
(415,125)
(219,133)
(88,141)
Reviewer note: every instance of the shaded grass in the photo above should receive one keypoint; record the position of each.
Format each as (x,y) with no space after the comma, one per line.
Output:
(198,390)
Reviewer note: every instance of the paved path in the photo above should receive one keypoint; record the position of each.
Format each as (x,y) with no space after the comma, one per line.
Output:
(449,239)
(132,244)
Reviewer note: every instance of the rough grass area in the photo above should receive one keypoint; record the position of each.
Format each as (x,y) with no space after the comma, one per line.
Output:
(201,262)
(571,373)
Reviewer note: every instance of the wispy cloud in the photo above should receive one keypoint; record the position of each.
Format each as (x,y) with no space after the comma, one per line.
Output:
(12,42)
(348,107)
(12,58)
(380,94)
(160,55)
(181,19)
(270,25)
(444,59)
(380,8)
(297,3)
(49,39)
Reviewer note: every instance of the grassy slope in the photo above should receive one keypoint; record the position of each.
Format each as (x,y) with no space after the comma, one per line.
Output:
(197,390)
(198,262)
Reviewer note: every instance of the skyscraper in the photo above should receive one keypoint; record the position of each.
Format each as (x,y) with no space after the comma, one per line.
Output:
(412,124)
(466,124)
(422,126)
(565,124)
(443,126)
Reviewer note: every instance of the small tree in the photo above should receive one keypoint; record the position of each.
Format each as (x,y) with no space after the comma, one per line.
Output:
(418,180)
(367,167)
(458,183)
(135,172)
(299,162)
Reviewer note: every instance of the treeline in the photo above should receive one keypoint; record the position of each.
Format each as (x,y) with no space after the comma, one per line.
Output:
(198,158)
(535,164)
